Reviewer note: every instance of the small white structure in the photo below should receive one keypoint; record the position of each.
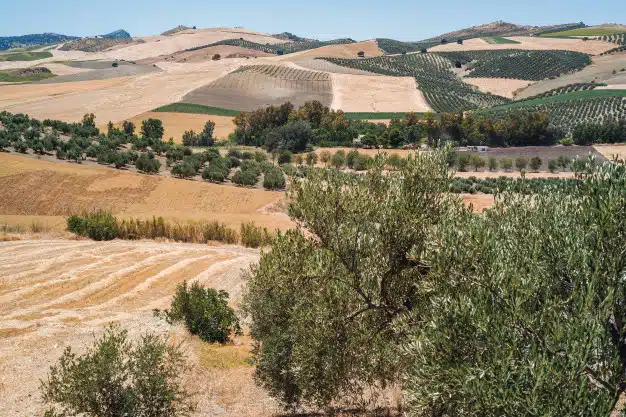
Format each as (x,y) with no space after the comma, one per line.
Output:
(478,148)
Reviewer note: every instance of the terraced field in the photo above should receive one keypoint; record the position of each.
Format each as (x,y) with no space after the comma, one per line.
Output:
(254,86)
(58,293)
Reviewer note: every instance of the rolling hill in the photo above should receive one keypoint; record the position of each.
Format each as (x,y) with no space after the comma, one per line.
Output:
(27,41)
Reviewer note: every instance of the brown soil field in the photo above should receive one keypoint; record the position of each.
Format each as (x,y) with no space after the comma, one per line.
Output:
(59,293)
(376,93)
(31,187)
(62,69)
(600,71)
(256,86)
(103,74)
(341,51)
(527,42)
(479,202)
(504,87)
(611,151)
(176,124)
(206,54)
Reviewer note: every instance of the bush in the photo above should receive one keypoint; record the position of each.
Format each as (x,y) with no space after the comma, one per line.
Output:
(215,173)
(567,141)
(325,157)
(204,311)
(506,163)
(274,179)
(338,160)
(553,166)
(216,57)
(535,163)
(311,159)
(362,163)
(184,170)
(477,162)
(285,158)
(463,160)
(147,164)
(246,178)
(117,377)
(521,163)
(99,225)
(351,157)
(190,138)
(253,236)
(493,164)
(152,128)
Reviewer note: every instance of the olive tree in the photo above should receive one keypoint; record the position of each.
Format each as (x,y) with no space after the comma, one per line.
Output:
(325,300)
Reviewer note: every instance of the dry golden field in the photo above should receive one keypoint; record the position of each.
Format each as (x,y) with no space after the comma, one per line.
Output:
(58,293)
(31,187)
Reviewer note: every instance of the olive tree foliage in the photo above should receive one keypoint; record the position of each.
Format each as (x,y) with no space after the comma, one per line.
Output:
(528,307)
(117,377)
(325,300)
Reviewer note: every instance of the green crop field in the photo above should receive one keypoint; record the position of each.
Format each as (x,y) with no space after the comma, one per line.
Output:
(25,56)
(9,77)
(498,40)
(582,32)
(217,111)
(196,109)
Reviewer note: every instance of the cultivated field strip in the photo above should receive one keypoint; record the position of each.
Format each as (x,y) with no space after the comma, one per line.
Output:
(254,86)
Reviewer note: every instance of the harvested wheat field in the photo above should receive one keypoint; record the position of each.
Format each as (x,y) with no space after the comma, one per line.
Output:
(254,86)
(111,100)
(327,66)
(377,93)
(591,47)
(504,87)
(176,124)
(206,54)
(58,293)
(350,50)
(62,69)
(41,188)
(612,151)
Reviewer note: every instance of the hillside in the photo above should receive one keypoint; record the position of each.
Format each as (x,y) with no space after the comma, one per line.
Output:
(25,41)
(175,30)
(501,28)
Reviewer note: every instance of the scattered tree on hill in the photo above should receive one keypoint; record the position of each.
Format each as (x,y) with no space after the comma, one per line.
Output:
(190,138)
(477,162)
(184,170)
(206,136)
(216,57)
(535,163)
(521,163)
(128,127)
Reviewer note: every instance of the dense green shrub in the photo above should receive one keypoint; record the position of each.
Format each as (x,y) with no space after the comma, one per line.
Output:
(117,377)
(274,179)
(148,164)
(204,311)
(338,160)
(535,163)
(98,225)
(493,163)
(285,157)
(184,170)
(506,163)
(521,163)
(215,173)
(152,128)
(463,160)
(253,236)
(246,177)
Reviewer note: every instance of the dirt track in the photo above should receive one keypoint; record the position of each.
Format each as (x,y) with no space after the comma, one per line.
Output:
(58,293)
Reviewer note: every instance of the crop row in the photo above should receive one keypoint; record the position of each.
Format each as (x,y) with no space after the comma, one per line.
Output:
(566,115)
(285,73)
(280,49)
(391,46)
(519,64)
(570,88)
(444,91)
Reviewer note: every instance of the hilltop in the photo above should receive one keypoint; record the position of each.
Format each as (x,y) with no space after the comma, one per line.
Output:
(501,28)
(120,33)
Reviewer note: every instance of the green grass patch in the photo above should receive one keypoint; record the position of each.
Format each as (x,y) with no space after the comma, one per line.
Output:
(196,109)
(25,56)
(8,77)
(499,40)
(375,115)
(577,95)
(582,32)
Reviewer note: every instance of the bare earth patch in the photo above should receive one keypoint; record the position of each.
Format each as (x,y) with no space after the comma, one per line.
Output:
(504,87)
(176,124)
(375,93)
(612,151)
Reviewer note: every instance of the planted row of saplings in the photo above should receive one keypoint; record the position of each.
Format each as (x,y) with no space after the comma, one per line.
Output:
(102,225)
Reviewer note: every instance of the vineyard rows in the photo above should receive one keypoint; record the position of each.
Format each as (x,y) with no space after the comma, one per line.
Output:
(519,64)
(391,46)
(285,73)
(566,115)
(570,88)
(443,90)
(280,49)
